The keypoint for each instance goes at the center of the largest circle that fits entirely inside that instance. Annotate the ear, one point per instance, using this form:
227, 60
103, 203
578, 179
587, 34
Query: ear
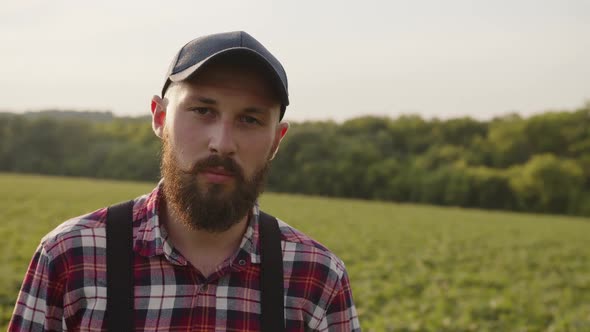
279, 135
158, 115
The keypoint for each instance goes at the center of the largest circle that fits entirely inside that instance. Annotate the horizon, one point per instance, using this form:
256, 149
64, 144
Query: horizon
337, 121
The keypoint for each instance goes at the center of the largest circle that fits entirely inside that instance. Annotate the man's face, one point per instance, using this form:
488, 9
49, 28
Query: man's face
220, 132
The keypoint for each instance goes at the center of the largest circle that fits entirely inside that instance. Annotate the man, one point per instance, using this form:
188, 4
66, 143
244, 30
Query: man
196, 236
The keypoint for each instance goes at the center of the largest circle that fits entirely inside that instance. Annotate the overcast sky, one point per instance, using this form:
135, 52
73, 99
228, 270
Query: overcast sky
343, 58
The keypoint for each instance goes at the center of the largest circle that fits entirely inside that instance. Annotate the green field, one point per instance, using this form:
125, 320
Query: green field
412, 268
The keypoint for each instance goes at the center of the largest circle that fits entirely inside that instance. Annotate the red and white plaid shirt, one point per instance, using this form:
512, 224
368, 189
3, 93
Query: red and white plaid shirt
65, 285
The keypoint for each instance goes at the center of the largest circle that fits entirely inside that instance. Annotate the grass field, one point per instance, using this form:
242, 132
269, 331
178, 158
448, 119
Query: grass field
412, 268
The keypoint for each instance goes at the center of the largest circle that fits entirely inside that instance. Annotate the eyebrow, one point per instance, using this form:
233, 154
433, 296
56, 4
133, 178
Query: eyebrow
256, 110
206, 100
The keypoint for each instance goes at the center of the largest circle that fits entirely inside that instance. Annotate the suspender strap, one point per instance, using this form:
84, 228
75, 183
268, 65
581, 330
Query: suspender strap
119, 314
272, 305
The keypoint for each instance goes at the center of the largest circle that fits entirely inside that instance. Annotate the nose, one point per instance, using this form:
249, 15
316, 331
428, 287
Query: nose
222, 140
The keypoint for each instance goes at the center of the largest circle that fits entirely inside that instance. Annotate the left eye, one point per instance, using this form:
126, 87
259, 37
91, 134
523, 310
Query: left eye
250, 119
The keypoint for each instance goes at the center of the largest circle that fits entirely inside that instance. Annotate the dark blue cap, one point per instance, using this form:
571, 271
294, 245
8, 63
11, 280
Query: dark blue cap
201, 50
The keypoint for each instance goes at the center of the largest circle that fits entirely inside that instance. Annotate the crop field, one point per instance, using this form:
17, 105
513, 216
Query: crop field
412, 267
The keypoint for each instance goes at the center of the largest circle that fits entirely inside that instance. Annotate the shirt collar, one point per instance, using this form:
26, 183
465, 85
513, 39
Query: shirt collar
152, 239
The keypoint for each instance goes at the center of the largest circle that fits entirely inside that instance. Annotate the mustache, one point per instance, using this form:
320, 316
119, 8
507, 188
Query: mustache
227, 163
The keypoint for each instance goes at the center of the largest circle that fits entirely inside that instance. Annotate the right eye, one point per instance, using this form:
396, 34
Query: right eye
201, 110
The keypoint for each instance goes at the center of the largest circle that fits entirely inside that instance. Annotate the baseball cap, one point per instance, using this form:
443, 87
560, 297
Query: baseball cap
200, 51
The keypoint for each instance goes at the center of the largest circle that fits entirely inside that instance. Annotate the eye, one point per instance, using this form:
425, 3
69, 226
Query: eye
250, 120
201, 110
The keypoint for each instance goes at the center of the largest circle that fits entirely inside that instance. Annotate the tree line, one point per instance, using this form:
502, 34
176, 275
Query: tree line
536, 164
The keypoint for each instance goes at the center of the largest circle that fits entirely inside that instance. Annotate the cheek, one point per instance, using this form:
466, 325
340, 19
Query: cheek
188, 145
257, 150
186, 130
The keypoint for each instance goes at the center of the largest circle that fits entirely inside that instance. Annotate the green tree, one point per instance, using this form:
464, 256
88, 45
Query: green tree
547, 184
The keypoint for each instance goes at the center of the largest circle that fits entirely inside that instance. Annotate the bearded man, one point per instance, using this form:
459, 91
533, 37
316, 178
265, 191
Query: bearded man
196, 258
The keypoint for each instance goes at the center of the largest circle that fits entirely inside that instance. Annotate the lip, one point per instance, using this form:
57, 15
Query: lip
217, 175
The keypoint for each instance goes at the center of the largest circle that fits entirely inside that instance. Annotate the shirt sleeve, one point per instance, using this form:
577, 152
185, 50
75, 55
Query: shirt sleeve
39, 303
341, 313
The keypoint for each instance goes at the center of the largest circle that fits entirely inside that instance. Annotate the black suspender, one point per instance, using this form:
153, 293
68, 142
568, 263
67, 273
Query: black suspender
271, 271
119, 315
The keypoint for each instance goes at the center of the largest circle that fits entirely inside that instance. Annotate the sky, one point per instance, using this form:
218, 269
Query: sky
343, 59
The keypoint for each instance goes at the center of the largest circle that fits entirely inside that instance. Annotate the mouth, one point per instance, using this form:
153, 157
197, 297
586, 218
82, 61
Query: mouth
217, 175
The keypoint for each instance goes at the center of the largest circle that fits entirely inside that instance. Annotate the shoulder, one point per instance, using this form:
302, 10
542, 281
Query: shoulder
316, 281
89, 230
301, 248
77, 232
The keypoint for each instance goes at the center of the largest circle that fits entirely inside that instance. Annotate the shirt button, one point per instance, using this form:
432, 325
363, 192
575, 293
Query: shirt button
242, 262
204, 287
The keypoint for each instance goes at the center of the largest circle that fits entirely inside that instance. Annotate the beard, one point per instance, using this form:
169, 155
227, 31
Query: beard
205, 206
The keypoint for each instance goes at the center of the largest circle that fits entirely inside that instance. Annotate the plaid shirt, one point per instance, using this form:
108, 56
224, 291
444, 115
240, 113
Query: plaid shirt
65, 285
